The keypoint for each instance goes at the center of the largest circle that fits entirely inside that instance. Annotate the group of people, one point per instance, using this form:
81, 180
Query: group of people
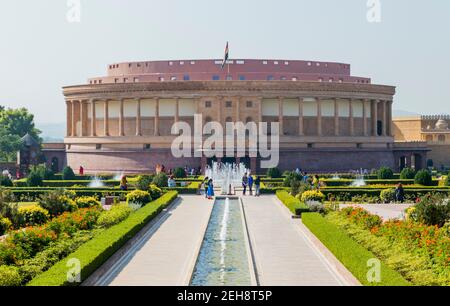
248, 181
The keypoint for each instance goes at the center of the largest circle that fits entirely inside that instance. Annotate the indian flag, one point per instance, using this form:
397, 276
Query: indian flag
225, 58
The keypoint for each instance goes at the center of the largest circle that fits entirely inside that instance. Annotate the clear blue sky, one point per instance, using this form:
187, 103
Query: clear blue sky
40, 51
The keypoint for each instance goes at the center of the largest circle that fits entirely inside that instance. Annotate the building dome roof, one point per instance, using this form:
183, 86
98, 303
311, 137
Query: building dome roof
441, 125
29, 141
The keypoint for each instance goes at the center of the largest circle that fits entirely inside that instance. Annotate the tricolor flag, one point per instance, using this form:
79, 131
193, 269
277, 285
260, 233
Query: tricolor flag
225, 58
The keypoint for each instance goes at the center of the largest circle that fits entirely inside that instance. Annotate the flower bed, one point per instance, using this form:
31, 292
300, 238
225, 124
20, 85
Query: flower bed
95, 252
420, 253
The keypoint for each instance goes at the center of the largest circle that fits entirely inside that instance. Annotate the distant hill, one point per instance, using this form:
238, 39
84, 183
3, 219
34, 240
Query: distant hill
52, 132
403, 113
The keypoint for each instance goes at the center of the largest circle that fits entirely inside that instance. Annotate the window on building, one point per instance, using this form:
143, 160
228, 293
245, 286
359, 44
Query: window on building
136, 80
264, 62
441, 138
173, 78
186, 77
170, 63
100, 81
181, 63
294, 79
309, 63
429, 138
320, 79
229, 78
275, 63
116, 80
359, 145
283, 78
249, 104
331, 80
208, 104
286, 63
240, 62
241, 78
228, 104
192, 62
147, 146
98, 146
216, 78
310, 145
161, 79
125, 80
270, 78
317, 64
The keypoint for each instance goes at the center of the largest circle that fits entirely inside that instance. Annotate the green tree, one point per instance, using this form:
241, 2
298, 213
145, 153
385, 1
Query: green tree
14, 124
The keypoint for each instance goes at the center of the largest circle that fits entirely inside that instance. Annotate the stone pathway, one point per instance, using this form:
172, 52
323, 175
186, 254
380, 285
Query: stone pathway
385, 211
165, 252
284, 254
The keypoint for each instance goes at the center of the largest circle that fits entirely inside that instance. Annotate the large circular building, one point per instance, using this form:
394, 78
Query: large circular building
329, 120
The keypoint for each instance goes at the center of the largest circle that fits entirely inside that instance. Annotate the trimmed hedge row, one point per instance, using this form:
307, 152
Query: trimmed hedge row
348, 182
192, 188
60, 183
292, 203
95, 252
351, 254
36, 193
375, 192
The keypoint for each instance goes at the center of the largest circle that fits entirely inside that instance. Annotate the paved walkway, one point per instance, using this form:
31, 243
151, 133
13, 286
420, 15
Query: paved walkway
385, 211
284, 254
166, 252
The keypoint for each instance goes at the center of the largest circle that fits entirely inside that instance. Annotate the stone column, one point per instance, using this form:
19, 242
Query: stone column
73, 131
83, 117
156, 132
319, 117
384, 125
300, 117
106, 118
121, 119
236, 109
177, 110
364, 117
280, 114
260, 111
352, 119
93, 119
138, 118
336, 118
69, 118
389, 118
374, 118
253, 165
219, 109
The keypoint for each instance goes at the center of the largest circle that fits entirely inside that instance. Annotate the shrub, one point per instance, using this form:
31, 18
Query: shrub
155, 191
160, 180
387, 195
5, 225
95, 252
292, 178
312, 195
5, 181
8, 209
57, 202
292, 203
139, 197
69, 223
117, 214
32, 215
143, 182
431, 210
87, 202
274, 173
407, 174
316, 207
34, 179
444, 181
179, 173
33, 239
68, 174
9, 276
423, 177
385, 173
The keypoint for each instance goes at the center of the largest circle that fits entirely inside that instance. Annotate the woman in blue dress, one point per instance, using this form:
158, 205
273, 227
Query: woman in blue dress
210, 189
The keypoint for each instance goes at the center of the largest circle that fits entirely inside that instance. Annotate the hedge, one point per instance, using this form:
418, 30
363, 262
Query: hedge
292, 203
36, 193
351, 254
60, 183
97, 251
192, 188
348, 182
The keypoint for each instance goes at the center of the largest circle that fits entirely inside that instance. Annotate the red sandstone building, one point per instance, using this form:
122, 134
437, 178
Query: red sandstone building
329, 120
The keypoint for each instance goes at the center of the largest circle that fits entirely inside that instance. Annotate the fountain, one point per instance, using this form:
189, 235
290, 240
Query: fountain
227, 176
359, 180
96, 182
118, 176
224, 257
336, 177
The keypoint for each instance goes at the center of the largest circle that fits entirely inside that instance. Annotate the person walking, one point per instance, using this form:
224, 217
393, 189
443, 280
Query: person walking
81, 170
245, 183
205, 186
123, 183
250, 184
399, 193
257, 186
210, 192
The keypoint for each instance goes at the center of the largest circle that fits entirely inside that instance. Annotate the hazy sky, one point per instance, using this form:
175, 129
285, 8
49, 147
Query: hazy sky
41, 51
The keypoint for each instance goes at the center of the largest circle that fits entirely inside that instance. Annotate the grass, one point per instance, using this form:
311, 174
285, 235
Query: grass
351, 254
97, 251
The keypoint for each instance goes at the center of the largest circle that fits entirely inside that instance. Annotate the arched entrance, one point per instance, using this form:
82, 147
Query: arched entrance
54, 166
